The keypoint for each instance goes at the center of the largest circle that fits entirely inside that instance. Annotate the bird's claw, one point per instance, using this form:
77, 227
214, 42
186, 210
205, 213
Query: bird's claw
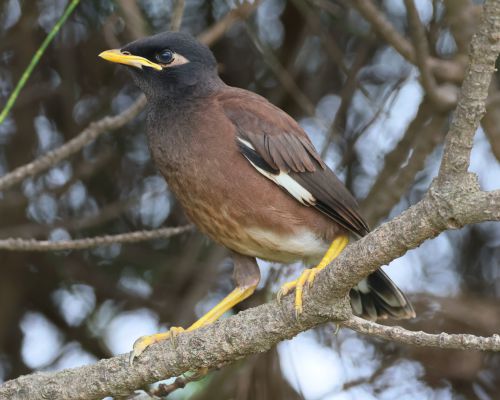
285, 289
306, 278
144, 342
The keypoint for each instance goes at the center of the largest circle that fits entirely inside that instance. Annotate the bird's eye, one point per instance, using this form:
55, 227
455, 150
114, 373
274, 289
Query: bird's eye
165, 56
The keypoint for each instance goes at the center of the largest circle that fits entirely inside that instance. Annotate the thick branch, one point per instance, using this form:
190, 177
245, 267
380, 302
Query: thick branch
471, 107
251, 331
491, 120
441, 209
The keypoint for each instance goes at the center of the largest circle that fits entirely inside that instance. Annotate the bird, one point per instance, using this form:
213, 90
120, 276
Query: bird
248, 176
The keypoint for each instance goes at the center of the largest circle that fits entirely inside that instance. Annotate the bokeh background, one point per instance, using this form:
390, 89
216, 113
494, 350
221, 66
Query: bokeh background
365, 110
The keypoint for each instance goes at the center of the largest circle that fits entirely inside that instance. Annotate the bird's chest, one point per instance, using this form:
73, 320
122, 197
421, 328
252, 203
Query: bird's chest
192, 156
206, 202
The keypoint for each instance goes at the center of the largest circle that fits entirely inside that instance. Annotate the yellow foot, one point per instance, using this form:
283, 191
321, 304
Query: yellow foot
237, 295
307, 277
144, 342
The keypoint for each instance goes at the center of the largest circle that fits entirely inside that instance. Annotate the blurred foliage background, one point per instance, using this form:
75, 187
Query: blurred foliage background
363, 106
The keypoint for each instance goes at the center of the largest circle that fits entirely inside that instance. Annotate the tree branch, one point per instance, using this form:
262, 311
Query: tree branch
92, 132
442, 340
240, 13
249, 332
281, 73
384, 28
491, 120
16, 244
395, 180
471, 105
444, 69
379, 200
178, 12
443, 97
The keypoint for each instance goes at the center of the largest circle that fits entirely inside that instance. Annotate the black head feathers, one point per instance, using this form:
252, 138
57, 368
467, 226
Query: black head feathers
169, 66
180, 43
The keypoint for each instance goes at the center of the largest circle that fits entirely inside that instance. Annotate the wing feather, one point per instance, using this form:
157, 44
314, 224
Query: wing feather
280, 150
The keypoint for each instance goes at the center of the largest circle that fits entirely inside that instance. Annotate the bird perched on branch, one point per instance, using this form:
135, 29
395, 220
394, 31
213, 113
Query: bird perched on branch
247, 175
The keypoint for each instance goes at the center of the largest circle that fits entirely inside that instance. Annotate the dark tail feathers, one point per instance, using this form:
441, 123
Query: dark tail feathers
377, 297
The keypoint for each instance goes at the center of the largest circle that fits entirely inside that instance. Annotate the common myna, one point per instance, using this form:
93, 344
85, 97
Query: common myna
247, 175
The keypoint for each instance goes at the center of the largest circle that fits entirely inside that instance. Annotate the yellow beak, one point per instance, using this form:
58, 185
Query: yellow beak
116, 56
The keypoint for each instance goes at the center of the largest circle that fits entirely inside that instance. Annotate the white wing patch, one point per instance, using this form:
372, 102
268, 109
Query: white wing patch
290, 185
284, 180
246, 143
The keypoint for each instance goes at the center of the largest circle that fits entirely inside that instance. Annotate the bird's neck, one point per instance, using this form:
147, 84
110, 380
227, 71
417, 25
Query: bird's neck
172, 119
181, 94
171, 130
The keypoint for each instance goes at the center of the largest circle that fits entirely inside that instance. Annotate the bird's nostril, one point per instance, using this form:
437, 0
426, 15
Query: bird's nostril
126, 53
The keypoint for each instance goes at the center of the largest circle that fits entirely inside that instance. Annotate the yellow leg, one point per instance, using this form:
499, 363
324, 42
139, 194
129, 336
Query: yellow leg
236, 296
309, 274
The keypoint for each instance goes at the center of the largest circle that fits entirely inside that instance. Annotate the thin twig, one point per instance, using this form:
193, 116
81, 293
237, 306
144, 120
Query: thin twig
385, 29
180, 382
313, 21
333, 51
386, 103
36, 57
282, 74
349, 89
178, 12
94, 130
240, 13
395, 179
16, 244
444, 69
442, 97
372, 205
442, 340
105, 213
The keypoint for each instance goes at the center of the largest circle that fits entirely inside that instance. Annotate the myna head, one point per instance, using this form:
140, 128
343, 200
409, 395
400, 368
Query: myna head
168, 64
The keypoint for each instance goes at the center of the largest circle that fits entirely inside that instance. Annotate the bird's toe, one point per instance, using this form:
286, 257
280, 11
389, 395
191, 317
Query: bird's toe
306, 278
285, 289
144, 342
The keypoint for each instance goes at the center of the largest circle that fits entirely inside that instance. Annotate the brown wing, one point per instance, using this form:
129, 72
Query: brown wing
280, 149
